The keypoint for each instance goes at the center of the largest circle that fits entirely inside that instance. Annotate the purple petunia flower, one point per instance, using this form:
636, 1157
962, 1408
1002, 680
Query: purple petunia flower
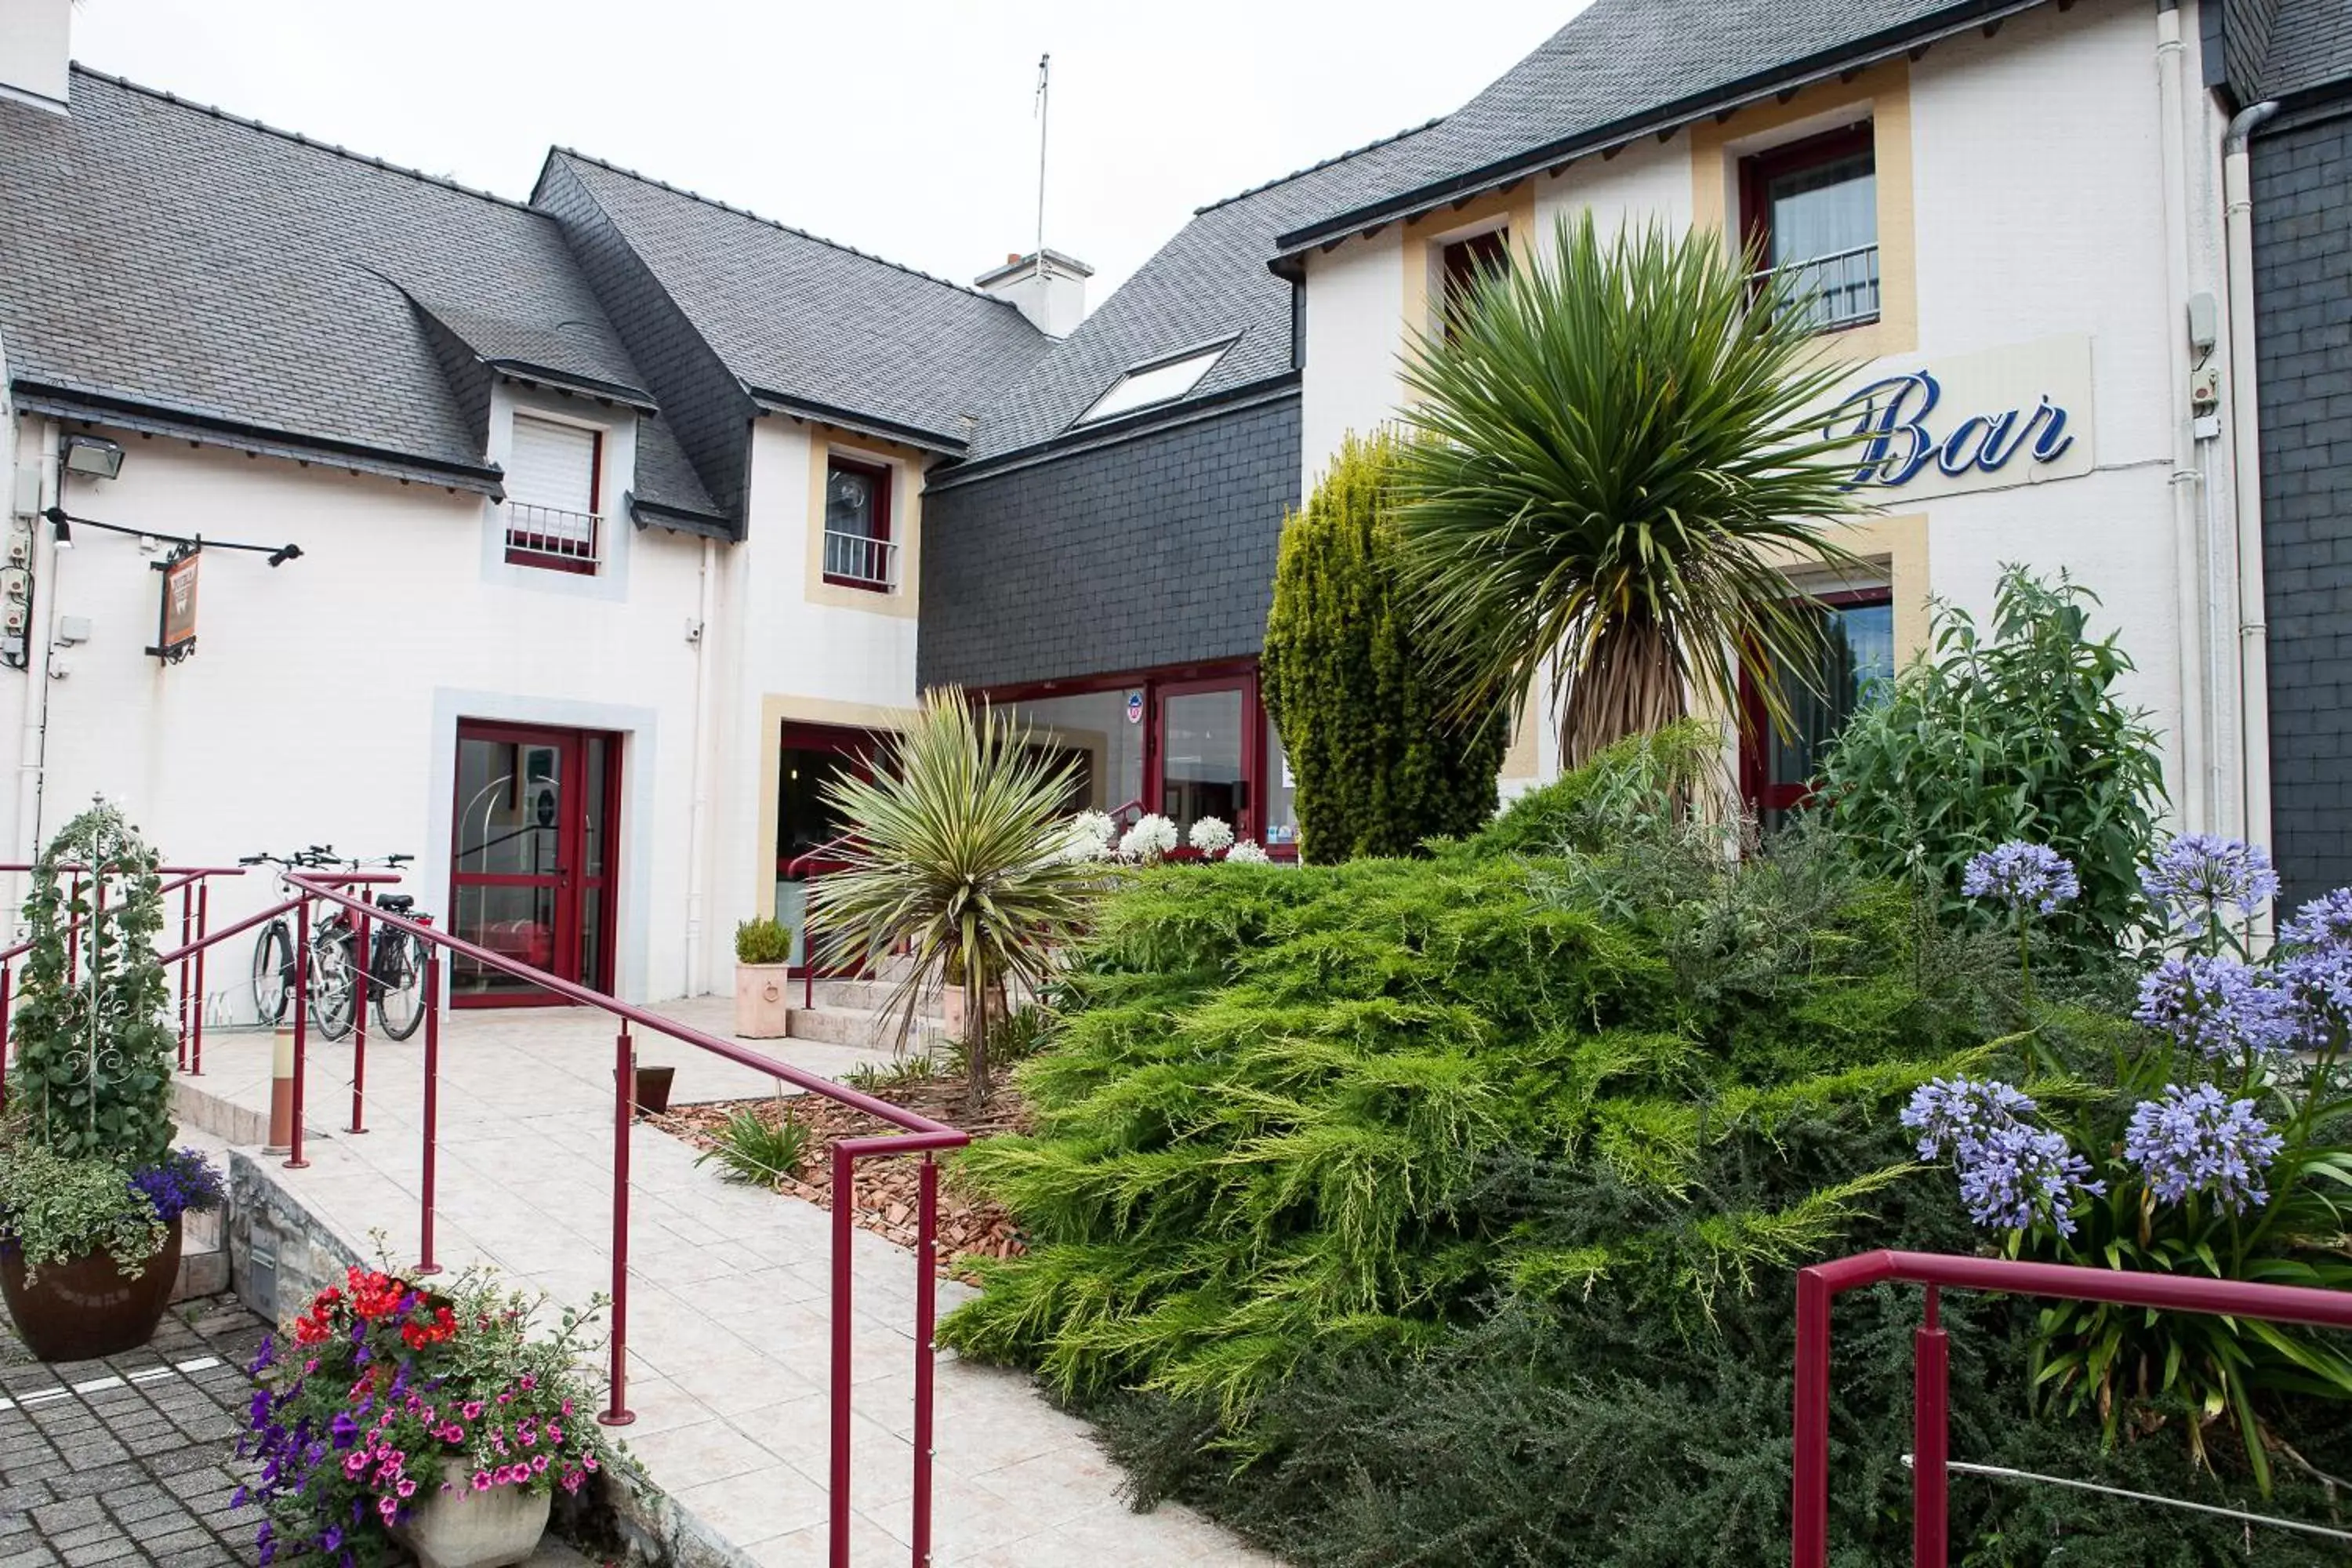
2218, 1006
2324, 922
2193, 1141
2195, 875
2019, 874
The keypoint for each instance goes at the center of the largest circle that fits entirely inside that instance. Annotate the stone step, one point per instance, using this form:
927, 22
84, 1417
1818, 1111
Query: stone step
860, 1026
867, 995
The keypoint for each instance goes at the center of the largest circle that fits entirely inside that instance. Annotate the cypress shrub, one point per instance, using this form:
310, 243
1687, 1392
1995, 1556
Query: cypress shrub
1367, 723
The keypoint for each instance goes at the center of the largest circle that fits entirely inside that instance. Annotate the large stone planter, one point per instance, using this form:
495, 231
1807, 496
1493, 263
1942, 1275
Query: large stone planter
462, 1528
86, 1310
763, 1000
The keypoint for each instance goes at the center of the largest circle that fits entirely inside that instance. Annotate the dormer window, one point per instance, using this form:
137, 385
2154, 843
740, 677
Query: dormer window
858, 549
1810, 215
1154, 382
554, 495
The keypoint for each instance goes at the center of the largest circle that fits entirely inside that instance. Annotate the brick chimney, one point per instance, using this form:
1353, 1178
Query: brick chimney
1048, 288
36, 43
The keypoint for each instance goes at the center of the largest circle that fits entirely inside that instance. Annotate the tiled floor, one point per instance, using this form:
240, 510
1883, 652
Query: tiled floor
728, 1309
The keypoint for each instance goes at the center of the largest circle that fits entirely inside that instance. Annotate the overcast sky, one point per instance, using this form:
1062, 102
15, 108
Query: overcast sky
903, 126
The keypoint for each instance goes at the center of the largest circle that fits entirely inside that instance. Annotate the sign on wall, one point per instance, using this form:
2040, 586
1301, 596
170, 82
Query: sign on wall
1973, 421
175, 632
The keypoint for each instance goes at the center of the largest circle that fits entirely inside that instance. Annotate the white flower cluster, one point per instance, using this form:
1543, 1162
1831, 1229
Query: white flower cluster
1151, 836
1211, 836
1247, 853
1090, 836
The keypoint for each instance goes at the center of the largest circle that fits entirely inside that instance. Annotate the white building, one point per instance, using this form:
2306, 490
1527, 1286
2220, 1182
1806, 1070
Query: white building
611, 506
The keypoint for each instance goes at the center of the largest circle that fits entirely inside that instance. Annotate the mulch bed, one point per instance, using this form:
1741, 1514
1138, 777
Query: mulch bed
969, 1225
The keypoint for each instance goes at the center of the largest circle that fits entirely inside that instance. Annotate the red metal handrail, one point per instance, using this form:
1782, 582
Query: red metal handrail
919, 1135
1819, 1286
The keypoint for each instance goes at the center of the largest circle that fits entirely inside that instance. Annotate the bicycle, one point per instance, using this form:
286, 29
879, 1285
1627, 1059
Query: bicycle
395, 971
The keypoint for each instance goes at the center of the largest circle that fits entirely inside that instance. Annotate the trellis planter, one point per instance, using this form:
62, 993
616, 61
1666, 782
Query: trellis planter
87, 1310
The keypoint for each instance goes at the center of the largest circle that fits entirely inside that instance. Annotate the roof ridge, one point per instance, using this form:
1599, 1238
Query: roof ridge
216, 113
732, 210
1372, 146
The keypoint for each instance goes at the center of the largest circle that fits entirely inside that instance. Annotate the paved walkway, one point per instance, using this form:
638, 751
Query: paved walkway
131, 1460
728, 1315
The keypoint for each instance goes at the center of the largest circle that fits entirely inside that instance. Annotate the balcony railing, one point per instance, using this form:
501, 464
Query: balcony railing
551, 537
856, 560
1829, 292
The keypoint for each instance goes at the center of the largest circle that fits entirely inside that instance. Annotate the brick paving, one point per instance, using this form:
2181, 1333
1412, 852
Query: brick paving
129, 1461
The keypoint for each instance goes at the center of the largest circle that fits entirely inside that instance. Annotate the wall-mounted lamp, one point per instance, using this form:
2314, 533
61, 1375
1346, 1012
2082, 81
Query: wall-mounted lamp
284, 552
93, 455
64, 528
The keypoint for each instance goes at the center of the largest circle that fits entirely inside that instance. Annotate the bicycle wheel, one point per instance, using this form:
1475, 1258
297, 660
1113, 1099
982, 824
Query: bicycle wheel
398, 983
331, 983
273, 972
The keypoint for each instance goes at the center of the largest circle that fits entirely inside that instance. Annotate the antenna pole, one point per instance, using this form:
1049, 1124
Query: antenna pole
1045, 63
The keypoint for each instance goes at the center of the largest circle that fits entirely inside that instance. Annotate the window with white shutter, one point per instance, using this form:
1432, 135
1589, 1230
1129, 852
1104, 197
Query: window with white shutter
554, 478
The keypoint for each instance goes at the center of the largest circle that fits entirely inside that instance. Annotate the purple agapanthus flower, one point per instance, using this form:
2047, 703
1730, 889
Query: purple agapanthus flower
1952, 1113
2196, 874
2325, 922
2194, 1141
2320, 981
2019, 874
2218, 1006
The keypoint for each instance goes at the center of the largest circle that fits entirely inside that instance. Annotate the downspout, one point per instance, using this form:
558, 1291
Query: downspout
40, 643
2187, 572
2246, 481
697, 890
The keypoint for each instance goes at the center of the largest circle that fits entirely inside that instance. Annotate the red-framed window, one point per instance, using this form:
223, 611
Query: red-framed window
1463, 263
1186, 742
555, 495
858, 549
1781, 763
1809, 210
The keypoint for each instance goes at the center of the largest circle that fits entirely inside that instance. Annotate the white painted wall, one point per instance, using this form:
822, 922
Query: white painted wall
1649, 182
1355, 335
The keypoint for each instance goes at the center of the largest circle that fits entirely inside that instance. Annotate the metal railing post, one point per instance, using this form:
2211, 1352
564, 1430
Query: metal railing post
5, 1020
625, 1095
837, 1514
1931, 1440
359, 1028
927, 1289
301, 1004
187, 932
204, 920
425, 1265
1810, 1505
73, 932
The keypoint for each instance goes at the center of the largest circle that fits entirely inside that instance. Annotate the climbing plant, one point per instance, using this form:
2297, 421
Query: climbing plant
92, 1073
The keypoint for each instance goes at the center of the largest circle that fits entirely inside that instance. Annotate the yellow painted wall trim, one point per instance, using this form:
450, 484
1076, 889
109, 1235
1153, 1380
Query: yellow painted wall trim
1884, 91
1426, 236
906, 465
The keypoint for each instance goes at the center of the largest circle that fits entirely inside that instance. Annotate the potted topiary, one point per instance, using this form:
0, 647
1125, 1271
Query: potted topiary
433, 1420
91, 1193
763, 953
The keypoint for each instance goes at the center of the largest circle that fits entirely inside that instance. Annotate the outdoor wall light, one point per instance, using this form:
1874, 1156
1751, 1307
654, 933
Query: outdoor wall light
64, 528
284, 552
94, 456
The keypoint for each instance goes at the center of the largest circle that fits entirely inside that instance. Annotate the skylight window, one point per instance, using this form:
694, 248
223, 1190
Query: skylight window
1154, 383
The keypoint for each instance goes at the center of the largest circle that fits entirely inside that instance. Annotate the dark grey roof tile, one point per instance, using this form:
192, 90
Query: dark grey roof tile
2311, 47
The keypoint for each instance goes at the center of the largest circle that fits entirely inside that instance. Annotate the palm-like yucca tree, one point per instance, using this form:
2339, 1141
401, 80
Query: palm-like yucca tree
956, 849
1626, 447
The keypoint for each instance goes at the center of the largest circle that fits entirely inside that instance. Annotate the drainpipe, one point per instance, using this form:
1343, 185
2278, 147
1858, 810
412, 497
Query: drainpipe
697, 891
40, 642
2186, 480
2246, 487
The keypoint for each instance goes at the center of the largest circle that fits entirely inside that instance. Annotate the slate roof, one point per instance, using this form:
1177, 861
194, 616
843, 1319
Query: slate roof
1207, 284
1621, 67
810, 324
2311, 47
195, 271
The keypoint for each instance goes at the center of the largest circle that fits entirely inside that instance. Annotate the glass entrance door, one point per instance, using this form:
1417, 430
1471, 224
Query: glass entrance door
532, 862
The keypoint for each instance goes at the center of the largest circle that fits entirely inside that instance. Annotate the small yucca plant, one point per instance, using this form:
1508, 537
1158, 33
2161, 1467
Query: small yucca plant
756, 1151
957, 854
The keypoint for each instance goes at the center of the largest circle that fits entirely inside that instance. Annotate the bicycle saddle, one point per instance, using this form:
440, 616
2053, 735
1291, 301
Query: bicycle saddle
396, 904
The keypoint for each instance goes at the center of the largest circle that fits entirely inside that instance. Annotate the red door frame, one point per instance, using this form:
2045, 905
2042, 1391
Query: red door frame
1755, 720
570, 881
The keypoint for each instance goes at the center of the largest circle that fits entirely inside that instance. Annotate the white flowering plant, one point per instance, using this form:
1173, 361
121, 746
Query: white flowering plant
1091, 834
1211, 835
1152, 837
1248, 853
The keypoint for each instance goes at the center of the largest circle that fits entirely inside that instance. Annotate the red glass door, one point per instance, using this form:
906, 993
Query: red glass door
1780, 765
533, 859
1203, 752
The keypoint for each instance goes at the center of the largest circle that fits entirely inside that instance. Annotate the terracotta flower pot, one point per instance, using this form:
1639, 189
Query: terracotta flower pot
763, 1000
462, 1528
86, 1310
